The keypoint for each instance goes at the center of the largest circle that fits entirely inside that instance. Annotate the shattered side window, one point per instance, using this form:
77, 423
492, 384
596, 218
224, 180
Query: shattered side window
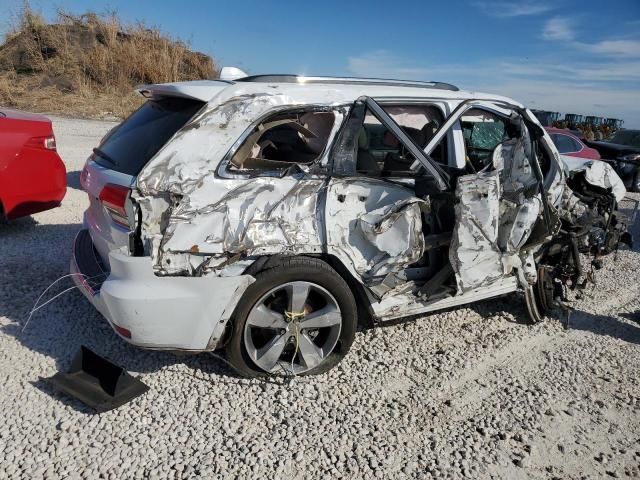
368, 147
483, 131
421, 122
282, 140
380, 152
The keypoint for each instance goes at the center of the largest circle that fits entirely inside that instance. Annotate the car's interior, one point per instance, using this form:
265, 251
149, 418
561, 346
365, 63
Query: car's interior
301, 137
297, 137
380, 153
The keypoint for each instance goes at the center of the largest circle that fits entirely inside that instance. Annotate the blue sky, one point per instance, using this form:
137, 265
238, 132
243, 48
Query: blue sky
564, 55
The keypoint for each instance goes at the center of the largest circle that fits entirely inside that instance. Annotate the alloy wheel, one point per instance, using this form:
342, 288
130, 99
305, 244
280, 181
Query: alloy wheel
293, 328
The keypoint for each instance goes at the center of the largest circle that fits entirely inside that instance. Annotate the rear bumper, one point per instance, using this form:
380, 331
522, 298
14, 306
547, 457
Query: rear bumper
173, 313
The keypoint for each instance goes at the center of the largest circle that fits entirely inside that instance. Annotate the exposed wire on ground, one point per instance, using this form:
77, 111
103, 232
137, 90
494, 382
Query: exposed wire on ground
37, 307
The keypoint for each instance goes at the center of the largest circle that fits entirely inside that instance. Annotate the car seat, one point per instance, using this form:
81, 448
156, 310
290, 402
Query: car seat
394, 162
365, 163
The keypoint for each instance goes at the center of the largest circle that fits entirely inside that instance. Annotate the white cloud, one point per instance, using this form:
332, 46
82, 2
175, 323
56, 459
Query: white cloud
572, 98
606, 89
382, 63
615, 48
600, 78
512, 9
617, 71
558, 28
561, 29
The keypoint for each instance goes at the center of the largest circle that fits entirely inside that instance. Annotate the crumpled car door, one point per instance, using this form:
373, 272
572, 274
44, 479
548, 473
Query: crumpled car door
374, 225
497, 209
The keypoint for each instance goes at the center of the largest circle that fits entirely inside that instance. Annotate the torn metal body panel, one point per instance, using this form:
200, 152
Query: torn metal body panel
475, 254
496, 213
262, 216
591, 225
521, 202
189, 162
406, 304
396, 232
421, 198
597, 173
375, 228
213, 219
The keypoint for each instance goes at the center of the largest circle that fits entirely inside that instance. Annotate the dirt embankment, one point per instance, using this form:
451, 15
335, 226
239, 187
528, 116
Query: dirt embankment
87, 65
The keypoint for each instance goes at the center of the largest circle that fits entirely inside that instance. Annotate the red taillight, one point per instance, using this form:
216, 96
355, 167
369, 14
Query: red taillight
43, 143
113, 198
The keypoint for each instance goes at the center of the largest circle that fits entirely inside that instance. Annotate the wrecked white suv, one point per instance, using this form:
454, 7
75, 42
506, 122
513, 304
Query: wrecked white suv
270, 214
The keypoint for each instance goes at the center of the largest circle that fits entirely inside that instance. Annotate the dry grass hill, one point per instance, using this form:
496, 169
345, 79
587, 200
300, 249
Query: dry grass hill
87, 65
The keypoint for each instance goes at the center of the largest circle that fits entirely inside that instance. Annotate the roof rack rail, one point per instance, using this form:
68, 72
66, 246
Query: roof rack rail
288, 78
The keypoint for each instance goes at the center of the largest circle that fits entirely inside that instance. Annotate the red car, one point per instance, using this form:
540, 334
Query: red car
568, 144
32, 175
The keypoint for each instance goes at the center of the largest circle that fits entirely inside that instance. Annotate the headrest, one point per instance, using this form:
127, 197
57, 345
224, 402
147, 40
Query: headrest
428, 132
424, 135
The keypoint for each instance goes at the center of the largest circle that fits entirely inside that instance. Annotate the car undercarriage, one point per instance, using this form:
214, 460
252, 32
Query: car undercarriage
590, 230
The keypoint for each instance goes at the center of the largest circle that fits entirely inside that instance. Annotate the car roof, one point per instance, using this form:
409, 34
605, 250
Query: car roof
321, 90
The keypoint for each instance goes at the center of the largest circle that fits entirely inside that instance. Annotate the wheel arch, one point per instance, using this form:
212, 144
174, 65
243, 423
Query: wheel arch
366, 316
272, 273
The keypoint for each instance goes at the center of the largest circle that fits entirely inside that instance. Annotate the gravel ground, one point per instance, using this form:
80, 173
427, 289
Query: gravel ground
470, 393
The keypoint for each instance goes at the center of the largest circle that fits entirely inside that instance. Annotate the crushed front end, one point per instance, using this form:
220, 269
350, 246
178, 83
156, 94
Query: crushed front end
592, 227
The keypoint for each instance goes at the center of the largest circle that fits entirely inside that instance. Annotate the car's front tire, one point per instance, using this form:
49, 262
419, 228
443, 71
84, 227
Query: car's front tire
298, 317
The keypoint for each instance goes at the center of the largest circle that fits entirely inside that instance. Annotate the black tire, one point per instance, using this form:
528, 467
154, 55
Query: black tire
290, 270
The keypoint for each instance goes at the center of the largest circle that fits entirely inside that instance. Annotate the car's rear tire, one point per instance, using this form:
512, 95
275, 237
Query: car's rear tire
298, 317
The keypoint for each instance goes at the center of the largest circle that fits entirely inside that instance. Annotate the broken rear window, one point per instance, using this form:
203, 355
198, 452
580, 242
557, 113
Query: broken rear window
283, 140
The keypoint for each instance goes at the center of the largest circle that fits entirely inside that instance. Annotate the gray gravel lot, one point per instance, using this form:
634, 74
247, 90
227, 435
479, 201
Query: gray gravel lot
470, 393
